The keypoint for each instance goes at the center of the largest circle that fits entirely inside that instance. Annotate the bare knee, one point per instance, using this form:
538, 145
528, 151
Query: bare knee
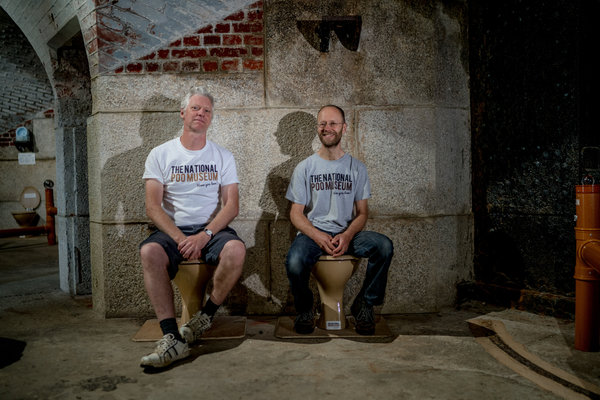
234, 253
152, 255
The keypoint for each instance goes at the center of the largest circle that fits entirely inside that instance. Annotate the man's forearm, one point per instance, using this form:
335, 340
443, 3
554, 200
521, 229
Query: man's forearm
356, 225
165, 224
223, 218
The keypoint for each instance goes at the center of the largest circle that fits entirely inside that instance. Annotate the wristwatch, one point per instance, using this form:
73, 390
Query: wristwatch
208, 232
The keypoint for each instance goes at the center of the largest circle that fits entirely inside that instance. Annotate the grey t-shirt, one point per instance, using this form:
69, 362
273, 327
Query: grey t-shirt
328, 190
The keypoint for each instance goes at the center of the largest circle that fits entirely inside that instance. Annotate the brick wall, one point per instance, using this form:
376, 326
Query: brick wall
25, 86
234, 44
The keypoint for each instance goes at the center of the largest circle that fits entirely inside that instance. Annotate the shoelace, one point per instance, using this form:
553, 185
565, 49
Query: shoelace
165, 343
365, 314
200, 324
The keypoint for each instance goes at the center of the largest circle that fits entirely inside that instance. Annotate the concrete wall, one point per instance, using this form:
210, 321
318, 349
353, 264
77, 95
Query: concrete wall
16, 176
405, 90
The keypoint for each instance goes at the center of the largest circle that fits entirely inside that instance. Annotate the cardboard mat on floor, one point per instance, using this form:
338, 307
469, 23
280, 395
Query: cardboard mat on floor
223, 327
285, 330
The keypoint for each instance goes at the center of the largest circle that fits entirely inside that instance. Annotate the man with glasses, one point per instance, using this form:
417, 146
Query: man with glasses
329, 192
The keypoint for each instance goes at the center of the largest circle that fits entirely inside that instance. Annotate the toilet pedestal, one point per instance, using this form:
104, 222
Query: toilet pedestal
332, 274
191, 280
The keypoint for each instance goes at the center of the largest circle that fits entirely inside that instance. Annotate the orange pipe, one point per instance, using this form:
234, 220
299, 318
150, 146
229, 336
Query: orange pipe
51, 211
590, 253
587, 268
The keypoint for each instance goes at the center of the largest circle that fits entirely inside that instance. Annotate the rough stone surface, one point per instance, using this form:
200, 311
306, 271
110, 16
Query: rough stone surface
409, 56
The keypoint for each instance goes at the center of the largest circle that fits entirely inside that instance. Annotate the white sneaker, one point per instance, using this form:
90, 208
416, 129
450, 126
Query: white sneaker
168, 349
195, 327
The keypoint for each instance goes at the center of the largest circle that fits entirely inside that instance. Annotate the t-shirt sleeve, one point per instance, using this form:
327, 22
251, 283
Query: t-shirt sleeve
364, 185
229, 171
297, 190
152, 168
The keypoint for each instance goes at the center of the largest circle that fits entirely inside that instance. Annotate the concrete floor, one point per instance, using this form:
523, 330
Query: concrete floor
53, 346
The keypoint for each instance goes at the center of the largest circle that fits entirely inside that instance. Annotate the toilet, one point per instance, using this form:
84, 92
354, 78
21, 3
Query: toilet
30, 199
332, 274
191, 280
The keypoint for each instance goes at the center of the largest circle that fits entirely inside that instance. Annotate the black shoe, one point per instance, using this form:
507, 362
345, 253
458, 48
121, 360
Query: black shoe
305, 323
363, 316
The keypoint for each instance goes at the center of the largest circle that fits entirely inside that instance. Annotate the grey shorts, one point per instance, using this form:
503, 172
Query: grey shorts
210, 253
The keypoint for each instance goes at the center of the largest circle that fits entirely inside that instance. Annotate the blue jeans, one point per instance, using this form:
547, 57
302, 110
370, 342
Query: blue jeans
304, 253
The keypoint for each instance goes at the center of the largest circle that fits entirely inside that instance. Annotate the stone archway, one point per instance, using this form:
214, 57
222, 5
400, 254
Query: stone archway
72, 85
64, 71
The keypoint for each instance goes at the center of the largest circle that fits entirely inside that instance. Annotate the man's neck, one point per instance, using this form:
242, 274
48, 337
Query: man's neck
193, 140
331, 153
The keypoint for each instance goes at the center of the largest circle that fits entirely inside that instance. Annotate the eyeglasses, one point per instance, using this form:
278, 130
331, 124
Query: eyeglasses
323, 125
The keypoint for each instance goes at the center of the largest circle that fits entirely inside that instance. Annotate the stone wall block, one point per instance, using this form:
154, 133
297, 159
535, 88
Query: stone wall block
118, 145
164, 92
267, 145
418, 160
117, 276
399, 43
426, 265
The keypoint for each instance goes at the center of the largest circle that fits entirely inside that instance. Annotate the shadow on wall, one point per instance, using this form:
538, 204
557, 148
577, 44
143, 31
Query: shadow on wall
123, 204
295, 134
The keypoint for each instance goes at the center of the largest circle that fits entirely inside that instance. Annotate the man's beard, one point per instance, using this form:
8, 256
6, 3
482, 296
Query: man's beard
337, 138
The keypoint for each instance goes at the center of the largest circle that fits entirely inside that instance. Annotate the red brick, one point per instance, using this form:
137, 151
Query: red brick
239, 16
111, 37
253, 40
257, 51
222, 28
149, 56
210, 66
190, 66
231, 40
49, 113
92, 46
90, 34
134, 67
191, 41
212, 40
172, 66
254, 65
248, 28
176, 43
188, 53
163, 54
152, 67
255, 15
258, 4
206, 29
230, 65
228, 52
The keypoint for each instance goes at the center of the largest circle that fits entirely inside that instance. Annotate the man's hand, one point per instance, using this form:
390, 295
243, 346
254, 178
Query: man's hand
324, 241
341, 243
191, 247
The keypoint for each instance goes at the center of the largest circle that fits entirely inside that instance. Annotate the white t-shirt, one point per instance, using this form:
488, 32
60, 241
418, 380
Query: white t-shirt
328, 189
191, 179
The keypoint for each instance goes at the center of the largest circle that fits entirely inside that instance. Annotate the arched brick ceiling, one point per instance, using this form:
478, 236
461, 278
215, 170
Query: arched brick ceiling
25, 86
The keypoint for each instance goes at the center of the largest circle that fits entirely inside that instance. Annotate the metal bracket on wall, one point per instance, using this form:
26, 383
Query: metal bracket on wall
318, 33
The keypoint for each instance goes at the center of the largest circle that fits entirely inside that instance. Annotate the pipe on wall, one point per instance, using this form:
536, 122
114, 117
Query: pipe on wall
587, 267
